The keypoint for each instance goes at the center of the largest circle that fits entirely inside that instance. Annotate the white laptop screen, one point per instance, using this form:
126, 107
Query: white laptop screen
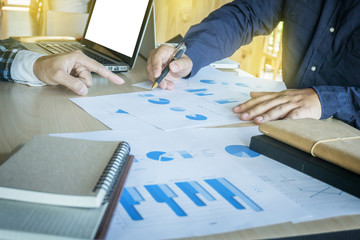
117, 24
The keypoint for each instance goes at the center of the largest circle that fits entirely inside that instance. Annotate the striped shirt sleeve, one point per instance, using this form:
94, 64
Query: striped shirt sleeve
8, 50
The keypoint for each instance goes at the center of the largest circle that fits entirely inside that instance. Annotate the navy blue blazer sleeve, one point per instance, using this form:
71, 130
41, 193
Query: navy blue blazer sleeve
320, 48
223, 32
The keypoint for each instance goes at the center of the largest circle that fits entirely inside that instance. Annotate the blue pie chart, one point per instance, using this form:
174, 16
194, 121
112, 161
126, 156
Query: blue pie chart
241, 151
161, 101
159, 156
197, 117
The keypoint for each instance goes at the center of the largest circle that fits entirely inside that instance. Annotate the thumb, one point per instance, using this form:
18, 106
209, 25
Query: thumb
181, 67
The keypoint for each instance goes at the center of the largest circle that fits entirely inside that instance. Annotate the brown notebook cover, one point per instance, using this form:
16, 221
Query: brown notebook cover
330, 139
62, 171
61, 221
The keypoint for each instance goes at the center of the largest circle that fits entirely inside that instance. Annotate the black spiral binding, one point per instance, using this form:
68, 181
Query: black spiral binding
113, 169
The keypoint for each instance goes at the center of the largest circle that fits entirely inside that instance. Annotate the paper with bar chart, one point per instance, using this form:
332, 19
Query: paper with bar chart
180, 185
204, 100
320, 199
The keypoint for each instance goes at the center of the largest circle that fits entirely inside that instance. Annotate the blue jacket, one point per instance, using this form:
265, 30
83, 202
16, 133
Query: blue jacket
321, 45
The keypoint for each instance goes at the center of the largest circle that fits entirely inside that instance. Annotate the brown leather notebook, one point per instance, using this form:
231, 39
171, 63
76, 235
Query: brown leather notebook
52, 221
331, 139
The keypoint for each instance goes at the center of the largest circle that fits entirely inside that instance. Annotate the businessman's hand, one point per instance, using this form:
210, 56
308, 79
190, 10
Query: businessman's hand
73, 70
157, 61
287, 104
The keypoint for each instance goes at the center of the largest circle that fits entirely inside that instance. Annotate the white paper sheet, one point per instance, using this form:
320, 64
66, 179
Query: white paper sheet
320, 199
166, 110
181, 186
208, 76
204, 100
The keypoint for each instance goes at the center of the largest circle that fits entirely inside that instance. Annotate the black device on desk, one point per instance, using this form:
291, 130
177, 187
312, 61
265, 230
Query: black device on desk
113, 34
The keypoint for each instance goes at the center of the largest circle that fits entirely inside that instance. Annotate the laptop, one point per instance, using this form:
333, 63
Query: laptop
113, 35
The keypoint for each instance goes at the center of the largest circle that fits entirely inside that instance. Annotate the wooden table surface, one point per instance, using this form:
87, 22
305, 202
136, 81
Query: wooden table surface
29, 111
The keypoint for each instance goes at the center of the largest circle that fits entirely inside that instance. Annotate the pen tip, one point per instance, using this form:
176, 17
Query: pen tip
155, 84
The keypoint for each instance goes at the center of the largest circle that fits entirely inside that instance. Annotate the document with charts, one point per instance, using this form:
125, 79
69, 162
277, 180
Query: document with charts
319, 199
204, 100
180, 185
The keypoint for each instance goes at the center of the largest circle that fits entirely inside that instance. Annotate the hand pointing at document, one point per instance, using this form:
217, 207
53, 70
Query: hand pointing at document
73, 70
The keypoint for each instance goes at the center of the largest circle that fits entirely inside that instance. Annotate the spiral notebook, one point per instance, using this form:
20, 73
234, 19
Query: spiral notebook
64, 172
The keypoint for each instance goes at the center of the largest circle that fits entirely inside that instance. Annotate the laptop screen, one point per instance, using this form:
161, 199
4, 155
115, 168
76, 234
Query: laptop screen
116, 27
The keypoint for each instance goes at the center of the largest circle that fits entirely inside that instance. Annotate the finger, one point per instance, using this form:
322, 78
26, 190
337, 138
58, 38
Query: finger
298, 113
253, 102
169, 85
165, 84
259, 94
83, 74
85, 77
170, 77
160, 58
181, 68
278, 112
72, 83
263, 106
98, 68
149, 70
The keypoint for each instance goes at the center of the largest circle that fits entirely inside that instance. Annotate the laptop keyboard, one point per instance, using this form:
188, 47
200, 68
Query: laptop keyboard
56, 48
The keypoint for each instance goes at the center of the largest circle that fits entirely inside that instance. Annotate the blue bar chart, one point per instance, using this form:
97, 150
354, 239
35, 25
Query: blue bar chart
229, 191
191, 189
162, 193
226, 101
185, 154
131, 197
200, 92
206, 81
168, 195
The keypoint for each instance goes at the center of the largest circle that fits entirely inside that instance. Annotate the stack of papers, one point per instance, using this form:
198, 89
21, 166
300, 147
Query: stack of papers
188, 181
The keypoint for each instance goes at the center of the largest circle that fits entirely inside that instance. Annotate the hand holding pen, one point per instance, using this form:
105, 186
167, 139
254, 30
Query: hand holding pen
179, 51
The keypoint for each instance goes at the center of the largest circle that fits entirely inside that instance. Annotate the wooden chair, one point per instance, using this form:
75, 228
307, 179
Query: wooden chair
56, 23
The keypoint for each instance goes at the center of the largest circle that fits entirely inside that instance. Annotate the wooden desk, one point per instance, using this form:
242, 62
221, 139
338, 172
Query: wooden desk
28, 111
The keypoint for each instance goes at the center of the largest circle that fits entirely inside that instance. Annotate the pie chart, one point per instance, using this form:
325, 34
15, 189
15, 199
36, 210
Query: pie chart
197, 117
159, 156
241, 151
161, 101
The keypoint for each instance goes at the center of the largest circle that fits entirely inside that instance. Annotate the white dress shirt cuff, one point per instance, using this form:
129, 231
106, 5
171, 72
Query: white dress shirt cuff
22, 68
